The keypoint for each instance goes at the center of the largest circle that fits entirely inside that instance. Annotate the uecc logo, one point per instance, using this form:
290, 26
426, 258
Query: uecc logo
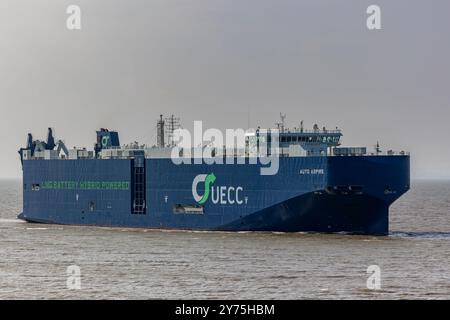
219, 194
208, 179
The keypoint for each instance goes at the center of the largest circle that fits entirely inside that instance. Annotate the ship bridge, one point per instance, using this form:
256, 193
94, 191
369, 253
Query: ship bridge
313, 142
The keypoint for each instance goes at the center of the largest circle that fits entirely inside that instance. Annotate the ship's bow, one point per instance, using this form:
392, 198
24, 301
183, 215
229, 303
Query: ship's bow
361, 189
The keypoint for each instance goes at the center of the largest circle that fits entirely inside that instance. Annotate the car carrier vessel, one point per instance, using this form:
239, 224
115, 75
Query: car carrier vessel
319, 186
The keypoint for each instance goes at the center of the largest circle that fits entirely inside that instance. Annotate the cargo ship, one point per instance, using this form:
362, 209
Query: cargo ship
319, 186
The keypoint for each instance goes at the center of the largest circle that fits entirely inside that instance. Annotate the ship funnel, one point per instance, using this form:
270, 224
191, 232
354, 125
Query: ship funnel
106, 140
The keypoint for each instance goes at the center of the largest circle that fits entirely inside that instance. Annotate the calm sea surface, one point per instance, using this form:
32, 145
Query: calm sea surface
120, 263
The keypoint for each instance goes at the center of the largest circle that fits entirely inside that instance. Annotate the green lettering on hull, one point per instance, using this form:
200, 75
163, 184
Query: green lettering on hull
86, 185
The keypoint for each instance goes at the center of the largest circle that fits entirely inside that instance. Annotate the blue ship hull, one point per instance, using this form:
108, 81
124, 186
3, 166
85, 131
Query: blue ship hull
312, 194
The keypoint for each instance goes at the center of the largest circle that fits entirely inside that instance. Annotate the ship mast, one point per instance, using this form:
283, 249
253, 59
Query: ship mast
160, 132
280, 125
172, 123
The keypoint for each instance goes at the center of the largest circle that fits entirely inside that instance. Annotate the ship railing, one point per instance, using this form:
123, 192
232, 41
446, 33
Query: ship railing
389, 153
381, 153
309, 131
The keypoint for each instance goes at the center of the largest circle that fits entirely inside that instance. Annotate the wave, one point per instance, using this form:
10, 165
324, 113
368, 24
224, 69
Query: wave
421, 234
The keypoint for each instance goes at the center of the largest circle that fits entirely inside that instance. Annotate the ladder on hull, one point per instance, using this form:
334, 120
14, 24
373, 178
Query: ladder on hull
139, 205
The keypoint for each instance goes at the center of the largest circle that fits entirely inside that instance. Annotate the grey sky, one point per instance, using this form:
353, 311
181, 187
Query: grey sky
218, 60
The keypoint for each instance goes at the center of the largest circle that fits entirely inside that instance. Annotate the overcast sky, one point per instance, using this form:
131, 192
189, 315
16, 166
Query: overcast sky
221, 60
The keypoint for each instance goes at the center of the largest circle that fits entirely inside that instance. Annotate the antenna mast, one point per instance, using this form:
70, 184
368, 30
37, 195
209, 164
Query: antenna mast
160, 132
377, 148
172, 123
280, 125
282, 117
